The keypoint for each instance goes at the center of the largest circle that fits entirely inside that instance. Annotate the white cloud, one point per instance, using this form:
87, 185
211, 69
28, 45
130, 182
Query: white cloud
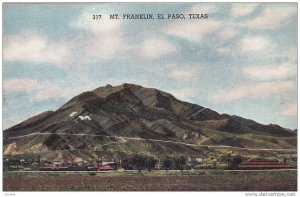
254, 44
256, 47
272, 17
33, 47
50, 93
184, 94
153, 48
224, 51
195, 30
249, 46
191, 30
291, 54
105, 39
242, 9
107, 46
185, 73
227, 33
290, 109
203, 8
24, 85
102, 26
43, 90
259, 90
269, 72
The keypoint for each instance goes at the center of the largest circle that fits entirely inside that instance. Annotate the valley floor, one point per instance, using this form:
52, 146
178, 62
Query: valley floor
202, 180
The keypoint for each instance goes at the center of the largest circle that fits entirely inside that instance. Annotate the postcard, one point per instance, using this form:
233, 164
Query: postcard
150, 97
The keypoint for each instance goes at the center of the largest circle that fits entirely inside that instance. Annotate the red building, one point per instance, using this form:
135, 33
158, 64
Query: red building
106, 166
124, 164
259, 164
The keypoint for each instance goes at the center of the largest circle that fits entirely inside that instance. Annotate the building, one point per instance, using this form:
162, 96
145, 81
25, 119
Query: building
195, 159
111, 165
105, 168
260, 164
124, 164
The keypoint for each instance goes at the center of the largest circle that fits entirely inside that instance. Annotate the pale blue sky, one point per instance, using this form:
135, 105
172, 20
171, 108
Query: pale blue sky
242, 60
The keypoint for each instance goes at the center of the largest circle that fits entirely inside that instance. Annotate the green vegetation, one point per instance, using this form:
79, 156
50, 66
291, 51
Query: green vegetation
180, 163
151, 162
212, 159
232, 160
139, 161
168, 163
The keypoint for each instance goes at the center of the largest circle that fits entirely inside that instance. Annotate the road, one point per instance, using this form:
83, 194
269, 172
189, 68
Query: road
155, 140
196, 113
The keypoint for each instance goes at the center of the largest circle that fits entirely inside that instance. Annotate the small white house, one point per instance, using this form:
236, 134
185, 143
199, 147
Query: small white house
195, 159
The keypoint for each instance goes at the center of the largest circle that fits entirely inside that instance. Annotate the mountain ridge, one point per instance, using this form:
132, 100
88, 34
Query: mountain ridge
133, 111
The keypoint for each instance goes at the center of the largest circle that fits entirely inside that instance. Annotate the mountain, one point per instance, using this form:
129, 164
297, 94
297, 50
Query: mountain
129, 118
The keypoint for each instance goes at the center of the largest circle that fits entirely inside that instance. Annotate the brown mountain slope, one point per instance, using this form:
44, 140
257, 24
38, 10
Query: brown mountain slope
140, 115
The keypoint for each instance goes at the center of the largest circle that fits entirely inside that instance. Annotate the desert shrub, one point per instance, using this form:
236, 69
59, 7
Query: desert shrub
139, 161
168, 163
151, 162
180, 163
